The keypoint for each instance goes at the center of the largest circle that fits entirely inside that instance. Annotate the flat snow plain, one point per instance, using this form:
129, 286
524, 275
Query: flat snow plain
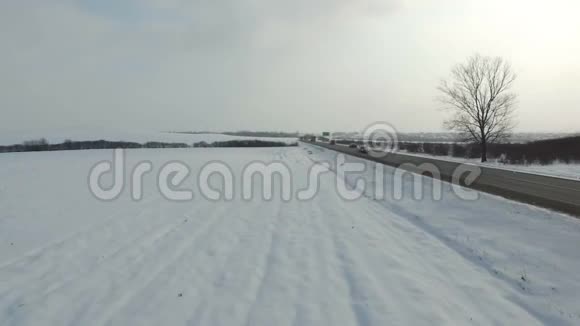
67, 258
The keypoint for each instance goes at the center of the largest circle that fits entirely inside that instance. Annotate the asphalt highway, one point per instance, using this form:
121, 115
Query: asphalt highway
544, 191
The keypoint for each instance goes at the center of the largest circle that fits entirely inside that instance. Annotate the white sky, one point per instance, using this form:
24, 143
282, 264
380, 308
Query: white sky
275, 64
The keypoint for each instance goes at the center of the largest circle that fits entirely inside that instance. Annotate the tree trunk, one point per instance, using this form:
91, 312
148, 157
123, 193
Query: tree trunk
484, 151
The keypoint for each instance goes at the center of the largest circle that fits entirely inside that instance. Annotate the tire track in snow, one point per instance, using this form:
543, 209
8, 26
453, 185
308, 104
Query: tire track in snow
312, 267
359, 291
42, 252
66, 256
264, 265
332, 308
139, 242
222, 289
85, 294
140, 282
215, 293
135, 283
191, 276
279, 300
207, 273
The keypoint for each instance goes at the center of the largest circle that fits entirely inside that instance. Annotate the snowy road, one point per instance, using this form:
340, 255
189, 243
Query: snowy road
562, 194
324, 261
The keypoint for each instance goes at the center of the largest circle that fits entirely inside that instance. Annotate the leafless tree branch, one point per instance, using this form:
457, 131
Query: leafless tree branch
480, 99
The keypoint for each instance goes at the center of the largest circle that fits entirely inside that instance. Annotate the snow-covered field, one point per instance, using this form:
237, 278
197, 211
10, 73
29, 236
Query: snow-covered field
138, 136
67, 258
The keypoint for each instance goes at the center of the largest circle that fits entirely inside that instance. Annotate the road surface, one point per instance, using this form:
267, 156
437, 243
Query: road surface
550, 192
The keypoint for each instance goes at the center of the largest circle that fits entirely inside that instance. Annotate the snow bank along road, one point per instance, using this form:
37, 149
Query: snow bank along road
546, 191
69, 259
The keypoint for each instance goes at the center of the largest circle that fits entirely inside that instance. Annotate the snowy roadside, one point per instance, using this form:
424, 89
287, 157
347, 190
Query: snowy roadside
532, 249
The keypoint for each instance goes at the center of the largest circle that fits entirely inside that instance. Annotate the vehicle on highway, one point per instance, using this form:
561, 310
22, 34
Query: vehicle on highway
332, 142
353, 145
363, 149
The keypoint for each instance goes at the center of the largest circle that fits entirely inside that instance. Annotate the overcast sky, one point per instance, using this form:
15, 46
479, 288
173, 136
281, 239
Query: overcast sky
306, 65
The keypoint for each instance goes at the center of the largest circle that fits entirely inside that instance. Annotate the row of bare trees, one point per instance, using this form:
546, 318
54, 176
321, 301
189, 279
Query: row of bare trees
480, 98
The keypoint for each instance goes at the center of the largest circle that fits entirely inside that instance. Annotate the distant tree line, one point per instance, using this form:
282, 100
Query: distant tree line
41, 145
193, 132
565, 150
274, 134
244, 133
244, 143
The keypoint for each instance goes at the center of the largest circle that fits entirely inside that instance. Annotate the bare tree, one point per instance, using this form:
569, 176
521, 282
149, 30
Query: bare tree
479, 95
